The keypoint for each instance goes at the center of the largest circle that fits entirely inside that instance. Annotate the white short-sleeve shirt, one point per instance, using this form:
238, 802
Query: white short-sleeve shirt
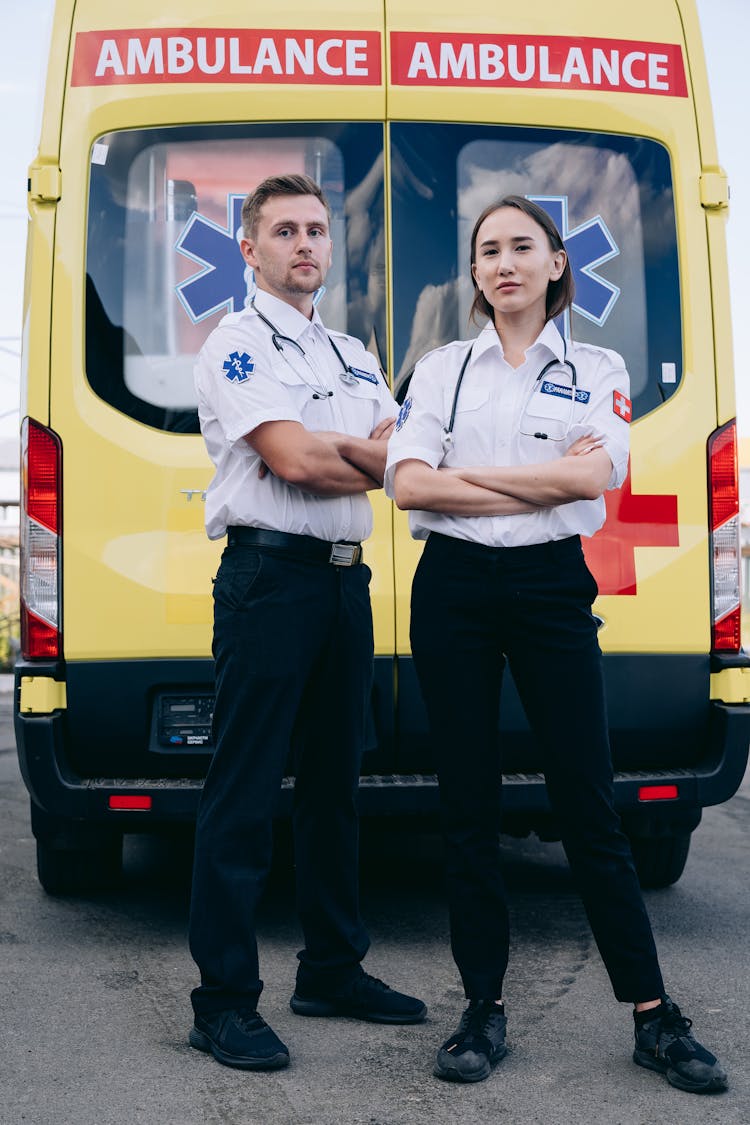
242, 380
501, 416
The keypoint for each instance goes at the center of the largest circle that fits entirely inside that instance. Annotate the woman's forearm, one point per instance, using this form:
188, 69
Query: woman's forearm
553, 482
417, 485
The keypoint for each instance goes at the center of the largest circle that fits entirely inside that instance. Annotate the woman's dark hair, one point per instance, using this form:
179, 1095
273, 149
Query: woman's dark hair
560, 293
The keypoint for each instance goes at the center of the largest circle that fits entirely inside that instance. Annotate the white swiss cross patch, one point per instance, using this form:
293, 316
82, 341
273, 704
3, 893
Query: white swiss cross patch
622, 406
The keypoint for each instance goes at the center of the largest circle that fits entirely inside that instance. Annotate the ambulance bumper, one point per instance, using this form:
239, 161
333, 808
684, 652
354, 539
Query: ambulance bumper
57, 789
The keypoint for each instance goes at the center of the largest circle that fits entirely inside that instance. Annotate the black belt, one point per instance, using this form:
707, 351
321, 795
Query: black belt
303, 546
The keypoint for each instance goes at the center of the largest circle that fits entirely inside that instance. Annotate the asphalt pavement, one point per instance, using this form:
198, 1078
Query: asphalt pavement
94, 993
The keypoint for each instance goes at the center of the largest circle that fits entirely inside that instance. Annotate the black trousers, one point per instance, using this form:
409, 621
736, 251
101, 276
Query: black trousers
293, 648
473, 608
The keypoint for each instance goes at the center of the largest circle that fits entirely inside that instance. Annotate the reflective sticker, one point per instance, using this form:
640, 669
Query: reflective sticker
622, 406
589, 246
368, 375
403, 413
552, 62
238, 366
634, 520
221, 282
548, 388
234, 54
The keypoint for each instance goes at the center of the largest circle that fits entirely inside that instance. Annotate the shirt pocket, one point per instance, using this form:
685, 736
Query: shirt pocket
314, 411
360, 404
472, 426
548, 413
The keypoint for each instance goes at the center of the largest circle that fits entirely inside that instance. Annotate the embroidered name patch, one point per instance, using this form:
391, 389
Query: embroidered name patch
238, 367
622, 406
368, 375
559, 391
403, 413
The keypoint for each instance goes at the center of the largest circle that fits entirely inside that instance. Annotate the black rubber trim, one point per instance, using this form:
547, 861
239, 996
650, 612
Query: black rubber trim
61, 793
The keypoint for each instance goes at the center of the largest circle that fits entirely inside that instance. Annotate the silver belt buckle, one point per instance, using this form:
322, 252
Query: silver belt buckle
345, 554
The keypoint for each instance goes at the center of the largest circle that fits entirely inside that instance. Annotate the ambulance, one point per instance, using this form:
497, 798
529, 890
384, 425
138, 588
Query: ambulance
412, 115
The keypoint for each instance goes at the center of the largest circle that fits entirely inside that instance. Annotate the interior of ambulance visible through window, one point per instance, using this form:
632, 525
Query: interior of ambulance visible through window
611, 198
163, 262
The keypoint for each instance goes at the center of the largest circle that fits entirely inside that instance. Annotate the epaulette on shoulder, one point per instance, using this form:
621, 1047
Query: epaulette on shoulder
578, 347
232, 318
454, 346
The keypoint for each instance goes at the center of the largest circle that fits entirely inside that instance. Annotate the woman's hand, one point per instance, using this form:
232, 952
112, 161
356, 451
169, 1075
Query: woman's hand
583, 445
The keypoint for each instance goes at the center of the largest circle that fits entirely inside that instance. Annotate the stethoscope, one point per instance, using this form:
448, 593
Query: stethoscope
348, 375
447, 437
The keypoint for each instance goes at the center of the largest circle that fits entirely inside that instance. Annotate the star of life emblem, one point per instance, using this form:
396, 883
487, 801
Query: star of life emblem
403, 413
238, 367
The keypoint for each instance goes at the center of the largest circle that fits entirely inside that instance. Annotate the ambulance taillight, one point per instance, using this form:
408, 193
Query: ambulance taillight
724, 522
41, 496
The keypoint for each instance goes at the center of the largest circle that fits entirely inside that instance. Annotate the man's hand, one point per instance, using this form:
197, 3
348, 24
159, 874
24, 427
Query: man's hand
383, 430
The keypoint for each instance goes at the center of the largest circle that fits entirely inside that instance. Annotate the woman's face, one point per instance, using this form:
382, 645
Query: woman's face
515, 263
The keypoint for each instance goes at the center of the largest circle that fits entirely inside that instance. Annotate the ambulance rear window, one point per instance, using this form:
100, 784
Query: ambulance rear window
611, 198
164, 266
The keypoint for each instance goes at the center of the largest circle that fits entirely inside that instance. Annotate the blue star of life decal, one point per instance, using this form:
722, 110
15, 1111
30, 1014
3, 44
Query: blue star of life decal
238, 366
403, 413
589, 246
220, 283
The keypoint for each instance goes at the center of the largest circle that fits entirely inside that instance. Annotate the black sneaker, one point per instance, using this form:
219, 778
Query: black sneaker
665, 1043
239, 1038
475, 1046
363, 997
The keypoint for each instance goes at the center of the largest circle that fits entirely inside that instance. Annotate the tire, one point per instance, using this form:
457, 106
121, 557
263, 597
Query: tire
660, 860
74, 871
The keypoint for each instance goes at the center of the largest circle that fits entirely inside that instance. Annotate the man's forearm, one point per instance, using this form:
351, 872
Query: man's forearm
326, 473
366, 454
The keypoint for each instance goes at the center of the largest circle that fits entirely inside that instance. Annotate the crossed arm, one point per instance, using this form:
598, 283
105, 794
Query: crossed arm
581, 474
324, 463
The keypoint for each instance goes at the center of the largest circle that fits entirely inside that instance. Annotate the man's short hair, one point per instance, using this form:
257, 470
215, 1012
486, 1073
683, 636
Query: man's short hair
291, 184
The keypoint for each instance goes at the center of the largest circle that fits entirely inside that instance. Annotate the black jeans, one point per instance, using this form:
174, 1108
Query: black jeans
293, 648
473, 607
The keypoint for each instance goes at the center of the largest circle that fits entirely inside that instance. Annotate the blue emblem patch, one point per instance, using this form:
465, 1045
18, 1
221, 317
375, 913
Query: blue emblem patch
559, 391
238, 366
403, 413
368, 375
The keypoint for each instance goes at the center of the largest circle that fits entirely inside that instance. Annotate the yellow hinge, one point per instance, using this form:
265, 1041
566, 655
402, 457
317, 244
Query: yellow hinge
714, 188
40, 695
45, 182
732, 685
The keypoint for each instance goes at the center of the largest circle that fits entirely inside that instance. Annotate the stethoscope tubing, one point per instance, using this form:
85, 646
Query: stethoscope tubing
278, 339
448, 430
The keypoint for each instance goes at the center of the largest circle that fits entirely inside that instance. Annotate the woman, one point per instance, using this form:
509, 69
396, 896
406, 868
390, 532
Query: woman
502, 452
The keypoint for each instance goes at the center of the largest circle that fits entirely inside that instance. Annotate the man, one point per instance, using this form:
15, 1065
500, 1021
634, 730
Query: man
296, 421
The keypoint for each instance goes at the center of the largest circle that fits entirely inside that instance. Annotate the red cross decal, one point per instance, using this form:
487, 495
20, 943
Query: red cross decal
645, 520
622, 405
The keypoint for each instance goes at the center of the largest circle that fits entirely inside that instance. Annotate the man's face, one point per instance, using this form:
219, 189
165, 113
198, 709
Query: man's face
291, 249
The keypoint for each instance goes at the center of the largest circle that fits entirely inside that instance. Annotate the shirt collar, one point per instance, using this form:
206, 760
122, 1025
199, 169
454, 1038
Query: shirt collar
548, 338
284, 317
551, 339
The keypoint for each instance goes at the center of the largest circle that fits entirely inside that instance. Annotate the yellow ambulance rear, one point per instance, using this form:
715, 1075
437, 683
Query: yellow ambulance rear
413, 116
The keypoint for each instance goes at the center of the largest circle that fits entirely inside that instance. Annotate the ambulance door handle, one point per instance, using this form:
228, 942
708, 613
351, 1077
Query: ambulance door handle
714, 190
45, 183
